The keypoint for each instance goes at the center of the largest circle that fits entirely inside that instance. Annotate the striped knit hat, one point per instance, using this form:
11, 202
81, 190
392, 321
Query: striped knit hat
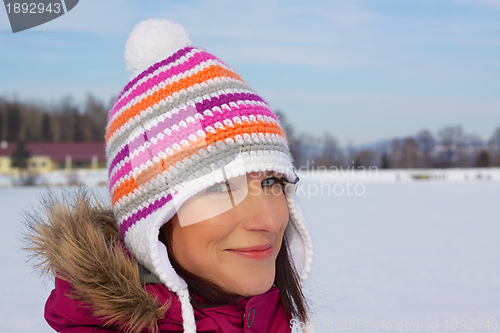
183, 114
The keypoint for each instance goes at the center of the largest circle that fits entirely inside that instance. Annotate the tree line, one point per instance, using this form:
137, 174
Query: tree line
450, 148
66, 121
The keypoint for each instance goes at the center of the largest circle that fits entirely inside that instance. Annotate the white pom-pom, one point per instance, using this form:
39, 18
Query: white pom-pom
153, 40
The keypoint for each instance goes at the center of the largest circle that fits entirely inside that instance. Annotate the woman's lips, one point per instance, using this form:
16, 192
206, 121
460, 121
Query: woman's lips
254, 252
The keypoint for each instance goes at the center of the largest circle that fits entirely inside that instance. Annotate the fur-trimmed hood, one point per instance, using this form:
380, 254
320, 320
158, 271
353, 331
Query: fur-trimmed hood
100, 285
77, 240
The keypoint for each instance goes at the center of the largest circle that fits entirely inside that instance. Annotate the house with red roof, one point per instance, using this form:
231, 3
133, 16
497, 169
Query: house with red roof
49, 156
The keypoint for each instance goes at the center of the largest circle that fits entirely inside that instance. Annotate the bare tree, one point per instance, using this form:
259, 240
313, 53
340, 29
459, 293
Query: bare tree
330, 154
69, 120
472, 146
294, 142
4, 121
482, 159
45, 128
33, 121
494, 147
365, 158
384, 161
495, 139
425, 143
20, 156
14, 121
409, 156
451, 142
396, 160
93, 120
310, 150
55, 126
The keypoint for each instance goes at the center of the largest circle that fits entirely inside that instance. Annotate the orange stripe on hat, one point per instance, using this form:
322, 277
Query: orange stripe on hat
229, 131
211, 72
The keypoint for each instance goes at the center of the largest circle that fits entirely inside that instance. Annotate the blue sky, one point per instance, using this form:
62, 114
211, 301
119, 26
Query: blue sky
362, 70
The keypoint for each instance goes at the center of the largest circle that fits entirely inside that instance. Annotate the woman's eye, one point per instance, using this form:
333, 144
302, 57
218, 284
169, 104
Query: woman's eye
271, 181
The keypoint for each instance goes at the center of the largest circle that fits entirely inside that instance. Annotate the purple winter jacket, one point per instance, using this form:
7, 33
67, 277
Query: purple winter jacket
105, 290
259, 314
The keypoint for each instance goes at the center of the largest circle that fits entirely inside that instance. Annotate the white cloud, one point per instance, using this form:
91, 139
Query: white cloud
328, 34
342, 35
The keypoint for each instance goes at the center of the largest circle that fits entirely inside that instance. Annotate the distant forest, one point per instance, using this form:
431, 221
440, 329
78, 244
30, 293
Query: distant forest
64, 121
451, 147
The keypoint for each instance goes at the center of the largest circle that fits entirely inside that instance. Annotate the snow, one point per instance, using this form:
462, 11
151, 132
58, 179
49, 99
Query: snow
391, 251
405, 253
23, 289
376, 175
91, 178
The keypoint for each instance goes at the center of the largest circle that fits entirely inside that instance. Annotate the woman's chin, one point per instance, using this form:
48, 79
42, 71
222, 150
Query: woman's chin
252, 286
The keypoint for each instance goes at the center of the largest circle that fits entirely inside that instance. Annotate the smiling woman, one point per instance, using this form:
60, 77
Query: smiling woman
237, 249
205, 234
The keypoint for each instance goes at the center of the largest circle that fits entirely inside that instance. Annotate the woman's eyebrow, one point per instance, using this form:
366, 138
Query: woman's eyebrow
273, 173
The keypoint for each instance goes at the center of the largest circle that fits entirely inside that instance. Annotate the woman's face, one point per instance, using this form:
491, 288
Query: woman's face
236, 249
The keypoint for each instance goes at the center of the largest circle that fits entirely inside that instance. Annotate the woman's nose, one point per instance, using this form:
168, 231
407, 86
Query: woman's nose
265, 213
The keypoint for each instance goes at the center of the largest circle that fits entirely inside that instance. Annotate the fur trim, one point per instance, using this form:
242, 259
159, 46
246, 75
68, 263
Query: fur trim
78, 241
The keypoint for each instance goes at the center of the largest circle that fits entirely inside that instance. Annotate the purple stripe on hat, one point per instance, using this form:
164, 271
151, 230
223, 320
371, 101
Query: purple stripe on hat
218, 101
195, 60
181, 133
164, 143
140, 140
168, 122
190, 111
119, 174
120, 156
173, 58
146, 211
175, 119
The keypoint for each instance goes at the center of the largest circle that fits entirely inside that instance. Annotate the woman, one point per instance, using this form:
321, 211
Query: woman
205, 233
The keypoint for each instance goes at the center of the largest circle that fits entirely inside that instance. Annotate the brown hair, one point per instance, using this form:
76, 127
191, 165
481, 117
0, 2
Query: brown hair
286, 279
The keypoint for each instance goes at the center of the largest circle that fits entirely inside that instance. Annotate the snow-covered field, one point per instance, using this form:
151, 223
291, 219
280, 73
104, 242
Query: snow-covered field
62, 177
408, 253
391, 253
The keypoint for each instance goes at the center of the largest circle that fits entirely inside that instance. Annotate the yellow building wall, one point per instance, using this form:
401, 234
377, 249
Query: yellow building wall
40, 164
36, 164
5, 168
